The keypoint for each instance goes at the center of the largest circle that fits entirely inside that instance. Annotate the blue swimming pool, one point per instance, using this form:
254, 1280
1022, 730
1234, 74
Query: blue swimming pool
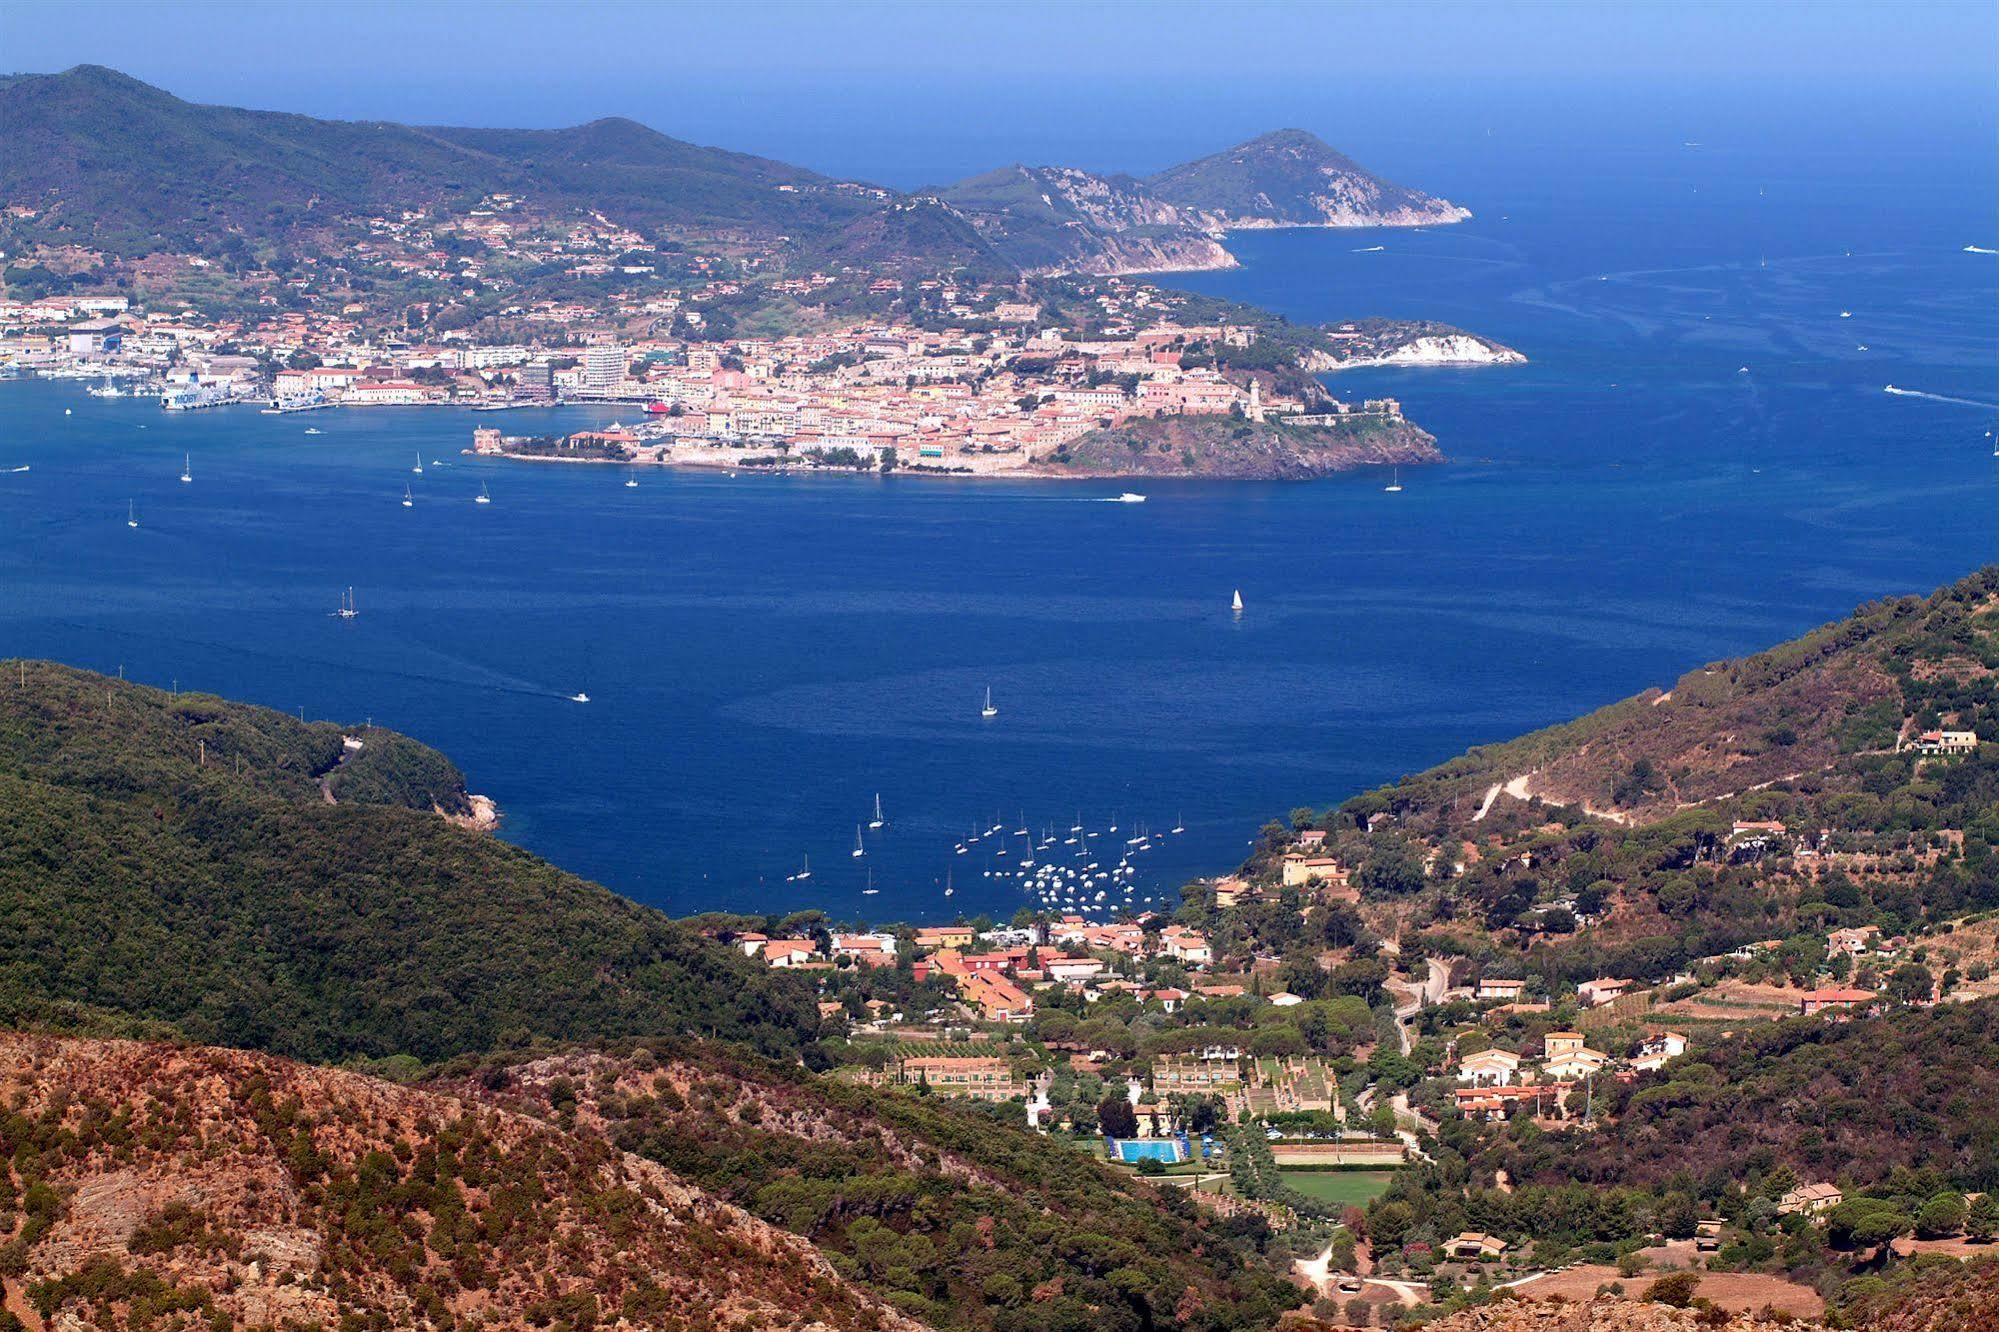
1133, 1150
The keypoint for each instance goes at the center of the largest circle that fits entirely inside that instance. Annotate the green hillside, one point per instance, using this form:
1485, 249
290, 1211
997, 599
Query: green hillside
119, 164
177, 861
1293, 178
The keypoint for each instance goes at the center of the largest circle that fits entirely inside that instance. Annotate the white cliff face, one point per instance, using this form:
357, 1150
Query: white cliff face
1451, 349
1424, 349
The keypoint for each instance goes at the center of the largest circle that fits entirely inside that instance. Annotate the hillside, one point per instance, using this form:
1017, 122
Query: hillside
1062, 220
1605, 1316
219, 869
147, 1180
1218, 446
116, 163
107, 162
1815, 708
1292, 178
954, 1214
1864, 1100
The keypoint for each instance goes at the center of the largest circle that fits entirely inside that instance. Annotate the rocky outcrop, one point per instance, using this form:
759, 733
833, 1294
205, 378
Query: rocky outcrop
1425, 349
1235, 448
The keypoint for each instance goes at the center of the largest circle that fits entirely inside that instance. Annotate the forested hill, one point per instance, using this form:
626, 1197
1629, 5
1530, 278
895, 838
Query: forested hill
216, 870
129, 167
102, 160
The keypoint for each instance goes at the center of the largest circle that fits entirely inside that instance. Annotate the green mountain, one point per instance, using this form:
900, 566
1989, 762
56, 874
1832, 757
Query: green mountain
243, 878
112, 163
1291, 178
117, 163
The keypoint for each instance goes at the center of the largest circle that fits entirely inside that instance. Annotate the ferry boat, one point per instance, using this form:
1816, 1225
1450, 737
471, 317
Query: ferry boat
193, 399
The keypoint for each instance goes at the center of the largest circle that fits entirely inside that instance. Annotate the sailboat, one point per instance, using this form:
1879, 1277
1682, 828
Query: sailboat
631, 483
877, 820
418, 469
131, 514
409, 500
1178, 825
347, 609
579, 697
187, 467
1236, 605
989, 710
948, 889
1394, 485
858, 850
805, 873
484, 496
870, 890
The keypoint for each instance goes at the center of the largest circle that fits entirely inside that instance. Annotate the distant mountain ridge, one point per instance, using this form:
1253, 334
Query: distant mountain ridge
1061, 219
111, 162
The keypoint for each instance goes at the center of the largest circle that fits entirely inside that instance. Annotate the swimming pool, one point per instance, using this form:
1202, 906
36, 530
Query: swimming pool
1131, 1151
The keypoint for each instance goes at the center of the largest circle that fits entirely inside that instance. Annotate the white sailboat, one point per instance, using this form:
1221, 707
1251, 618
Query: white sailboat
1236, 605
484, 496
1178, 825
187, 468
131, 514
859, 850
877, 820
948, 889
870, 890
347, 610
805, 873
409, 500
1394, 485
989, 710
418, 469
631, 483
579, 697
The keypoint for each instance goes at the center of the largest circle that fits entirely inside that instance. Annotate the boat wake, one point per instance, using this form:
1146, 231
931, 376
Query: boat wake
1978, 249
1939, 397
22, 468
1370, 249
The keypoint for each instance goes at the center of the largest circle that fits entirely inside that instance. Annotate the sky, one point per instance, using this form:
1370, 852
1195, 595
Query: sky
908, 93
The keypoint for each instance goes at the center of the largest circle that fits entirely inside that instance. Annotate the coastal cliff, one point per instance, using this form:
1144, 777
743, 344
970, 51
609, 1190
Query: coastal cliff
1235, 448
1414, 348
1054, 220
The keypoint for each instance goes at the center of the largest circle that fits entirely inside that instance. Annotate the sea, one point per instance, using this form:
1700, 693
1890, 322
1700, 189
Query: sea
1703, 456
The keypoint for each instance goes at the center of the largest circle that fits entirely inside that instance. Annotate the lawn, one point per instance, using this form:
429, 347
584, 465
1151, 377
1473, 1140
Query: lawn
1359, 1187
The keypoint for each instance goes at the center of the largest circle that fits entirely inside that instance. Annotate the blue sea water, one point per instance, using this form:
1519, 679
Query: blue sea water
1698, 461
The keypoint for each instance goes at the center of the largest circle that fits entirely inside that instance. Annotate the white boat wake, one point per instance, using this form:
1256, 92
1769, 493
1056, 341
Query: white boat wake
1978, 249
1370, 249
1939, 397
